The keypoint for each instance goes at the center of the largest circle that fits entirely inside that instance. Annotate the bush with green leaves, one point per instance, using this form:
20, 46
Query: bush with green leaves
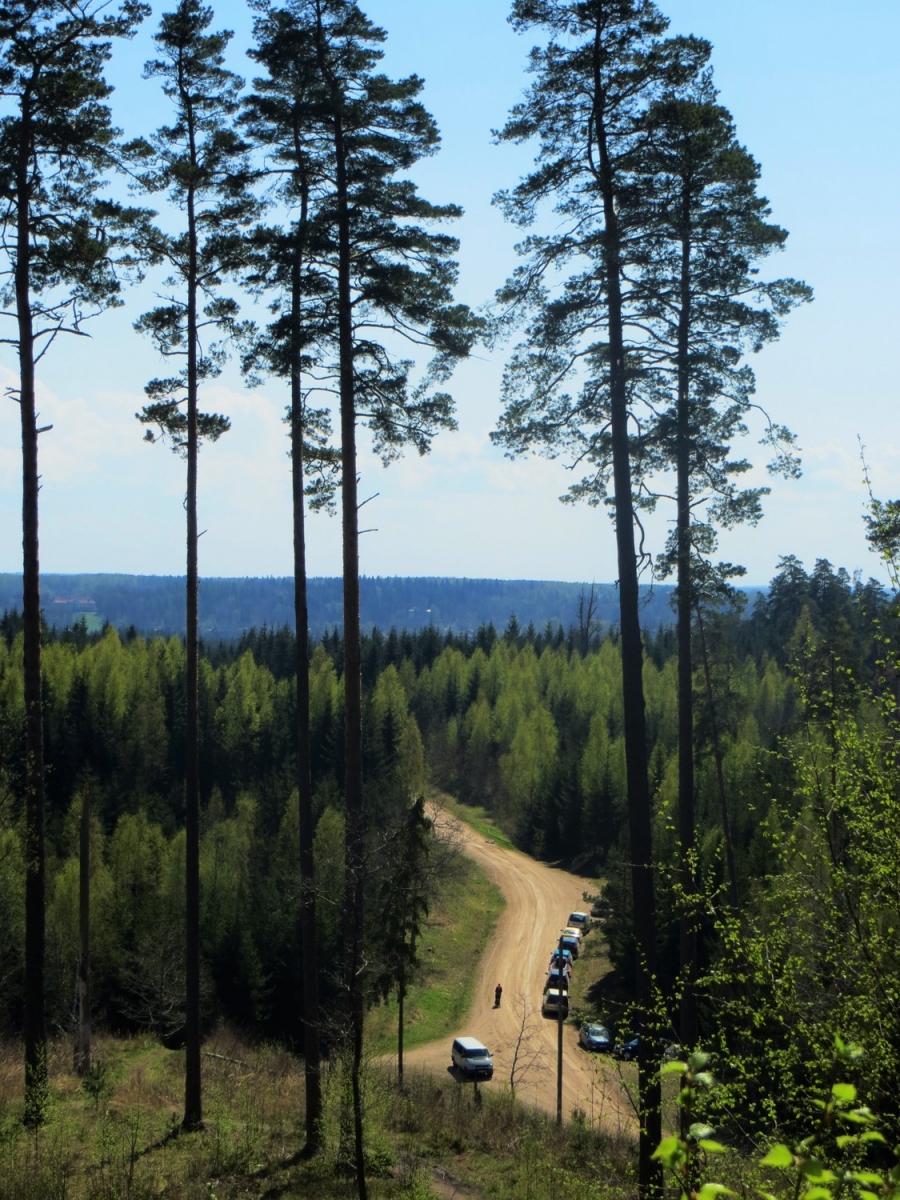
842, 1159
816, 952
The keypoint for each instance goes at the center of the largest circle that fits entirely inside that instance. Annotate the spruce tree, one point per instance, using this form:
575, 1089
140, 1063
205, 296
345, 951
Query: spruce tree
200, 163
402, 907
61, 242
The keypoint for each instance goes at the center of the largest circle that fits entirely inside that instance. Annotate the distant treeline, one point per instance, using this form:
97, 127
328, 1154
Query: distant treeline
231, 607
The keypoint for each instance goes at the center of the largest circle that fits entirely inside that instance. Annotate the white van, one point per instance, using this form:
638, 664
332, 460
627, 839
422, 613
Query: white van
471, 1058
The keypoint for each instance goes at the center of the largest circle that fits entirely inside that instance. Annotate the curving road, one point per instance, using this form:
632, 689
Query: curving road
538, 901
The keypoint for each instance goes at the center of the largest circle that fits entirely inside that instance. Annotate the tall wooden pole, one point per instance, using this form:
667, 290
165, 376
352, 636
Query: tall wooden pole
559, 1038
83, 1047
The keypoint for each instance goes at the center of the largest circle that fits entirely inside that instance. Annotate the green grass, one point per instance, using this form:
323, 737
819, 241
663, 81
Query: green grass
457, 931
475, 816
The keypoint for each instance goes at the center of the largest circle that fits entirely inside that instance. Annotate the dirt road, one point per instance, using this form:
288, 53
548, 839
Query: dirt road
538, 901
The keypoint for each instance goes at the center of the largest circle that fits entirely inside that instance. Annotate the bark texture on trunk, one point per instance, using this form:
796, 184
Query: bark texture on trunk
720, 772
686, 819
193, 1106
401, 997
34, 1023
353, 790
311, 1040
634, 716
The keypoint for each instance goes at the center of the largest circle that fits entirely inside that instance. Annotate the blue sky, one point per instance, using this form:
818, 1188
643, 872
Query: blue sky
814, 91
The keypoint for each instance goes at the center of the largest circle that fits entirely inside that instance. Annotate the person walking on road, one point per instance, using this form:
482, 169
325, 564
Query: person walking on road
498, 992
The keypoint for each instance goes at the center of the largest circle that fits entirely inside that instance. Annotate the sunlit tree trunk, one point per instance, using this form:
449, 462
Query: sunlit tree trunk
635, 724
353, 791
193, 1104
35, 1024
311, 1040
686, 819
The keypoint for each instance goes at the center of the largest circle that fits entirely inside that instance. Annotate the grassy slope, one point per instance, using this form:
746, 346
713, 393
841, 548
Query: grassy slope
125, 1144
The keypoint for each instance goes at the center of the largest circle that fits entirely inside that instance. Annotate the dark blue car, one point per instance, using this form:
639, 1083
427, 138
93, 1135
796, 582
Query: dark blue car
595, 1037
628, 1050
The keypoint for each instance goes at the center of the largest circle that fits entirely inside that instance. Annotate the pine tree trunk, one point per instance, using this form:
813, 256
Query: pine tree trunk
83, 1049
686, 819
35, 1023
193, 1108
720, 773
311, 1042
635, 726
353, 792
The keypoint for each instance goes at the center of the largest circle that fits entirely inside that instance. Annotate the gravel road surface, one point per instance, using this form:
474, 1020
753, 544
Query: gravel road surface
538, 902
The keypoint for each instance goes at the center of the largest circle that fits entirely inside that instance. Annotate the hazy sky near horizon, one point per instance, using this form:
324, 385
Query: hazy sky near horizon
814, 91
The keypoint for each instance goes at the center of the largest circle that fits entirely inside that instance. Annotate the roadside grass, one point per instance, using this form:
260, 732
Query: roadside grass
504, 1149
457, 931
476, 816
588, 986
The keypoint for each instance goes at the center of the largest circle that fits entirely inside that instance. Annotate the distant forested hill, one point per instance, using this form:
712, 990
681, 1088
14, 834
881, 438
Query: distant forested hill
228, 607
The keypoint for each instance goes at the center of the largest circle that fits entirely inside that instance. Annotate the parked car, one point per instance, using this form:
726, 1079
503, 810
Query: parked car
556, 979
572, 931
566, 957
671, 1050
580, 920
566, 963
471, 1058
627, 1050
572, 944
601, 907
553, 1001
595, 1037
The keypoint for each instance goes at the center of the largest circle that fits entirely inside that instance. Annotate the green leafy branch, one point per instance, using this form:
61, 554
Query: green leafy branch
804, 1166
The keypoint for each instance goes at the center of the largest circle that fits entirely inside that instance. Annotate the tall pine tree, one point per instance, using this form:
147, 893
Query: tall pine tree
61, 240
706, 307
200, 163
283, 117
392, 277
603, 64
